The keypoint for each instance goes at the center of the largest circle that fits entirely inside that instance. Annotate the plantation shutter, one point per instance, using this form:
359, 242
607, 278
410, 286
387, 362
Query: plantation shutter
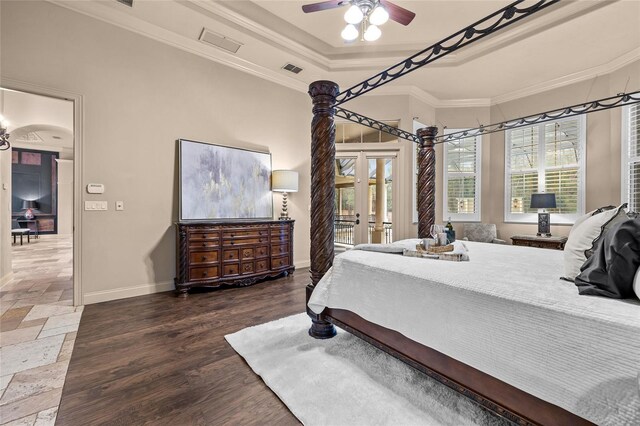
562, 152
462, 166
523, 164
633, 158
545, 157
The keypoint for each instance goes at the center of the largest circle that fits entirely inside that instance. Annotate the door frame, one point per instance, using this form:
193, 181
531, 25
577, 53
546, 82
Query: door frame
78, 137
363, 151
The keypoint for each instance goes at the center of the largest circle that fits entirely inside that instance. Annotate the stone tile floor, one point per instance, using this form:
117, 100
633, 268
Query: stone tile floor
38, 326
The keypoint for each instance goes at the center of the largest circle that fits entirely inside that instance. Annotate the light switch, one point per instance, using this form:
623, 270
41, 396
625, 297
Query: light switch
103, 205
119, 205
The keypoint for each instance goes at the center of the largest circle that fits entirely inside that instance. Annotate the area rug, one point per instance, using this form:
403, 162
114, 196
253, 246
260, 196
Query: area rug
346, 381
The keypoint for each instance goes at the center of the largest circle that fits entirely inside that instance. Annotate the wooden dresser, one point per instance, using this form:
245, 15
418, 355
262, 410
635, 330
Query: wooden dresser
211, 254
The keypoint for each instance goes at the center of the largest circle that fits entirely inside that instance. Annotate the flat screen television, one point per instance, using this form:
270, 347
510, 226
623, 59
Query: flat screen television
221, 182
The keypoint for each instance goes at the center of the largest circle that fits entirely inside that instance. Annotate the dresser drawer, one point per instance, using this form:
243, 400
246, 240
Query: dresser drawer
279, 262
278, 249
279, 232
247, 268
257, 232
231, 254
245, 241
199, 274
204, 235
196, 257
231, 269
262, 265
262, 251
248, 253
203, 244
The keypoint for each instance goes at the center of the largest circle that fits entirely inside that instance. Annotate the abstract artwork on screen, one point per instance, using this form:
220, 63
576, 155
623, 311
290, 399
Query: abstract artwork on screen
219, 182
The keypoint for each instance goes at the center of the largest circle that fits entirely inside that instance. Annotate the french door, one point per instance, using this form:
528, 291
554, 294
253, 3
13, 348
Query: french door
364, 197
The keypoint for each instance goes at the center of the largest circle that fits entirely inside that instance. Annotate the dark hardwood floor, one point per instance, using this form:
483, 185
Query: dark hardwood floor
159, 359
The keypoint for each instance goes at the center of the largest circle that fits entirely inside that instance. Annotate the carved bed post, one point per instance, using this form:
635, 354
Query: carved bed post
426, 180
323, 154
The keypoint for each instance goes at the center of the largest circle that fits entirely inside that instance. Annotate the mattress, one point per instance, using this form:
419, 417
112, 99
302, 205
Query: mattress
505, 312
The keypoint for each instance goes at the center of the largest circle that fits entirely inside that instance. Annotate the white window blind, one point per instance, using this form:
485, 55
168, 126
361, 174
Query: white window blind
631, 156
546, 157
462, 166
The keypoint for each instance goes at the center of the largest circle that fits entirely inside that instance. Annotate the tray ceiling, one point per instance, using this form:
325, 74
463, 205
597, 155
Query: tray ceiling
570, 41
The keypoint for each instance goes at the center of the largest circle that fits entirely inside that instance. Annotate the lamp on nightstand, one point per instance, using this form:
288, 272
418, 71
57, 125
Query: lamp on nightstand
543, 201
284, 181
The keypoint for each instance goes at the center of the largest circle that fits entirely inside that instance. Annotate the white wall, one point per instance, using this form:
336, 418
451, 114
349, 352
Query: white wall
139, 97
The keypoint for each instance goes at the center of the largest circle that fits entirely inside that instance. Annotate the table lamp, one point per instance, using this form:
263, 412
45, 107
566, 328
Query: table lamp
284, 181
28, 206
543, 201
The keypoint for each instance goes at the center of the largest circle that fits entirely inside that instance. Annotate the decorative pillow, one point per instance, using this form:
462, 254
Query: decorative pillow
636, 285
588, 215
584, 238
611, 271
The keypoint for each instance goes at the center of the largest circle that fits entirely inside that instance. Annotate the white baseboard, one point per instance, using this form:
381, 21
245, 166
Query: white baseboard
125, 292
302, 264
4, 280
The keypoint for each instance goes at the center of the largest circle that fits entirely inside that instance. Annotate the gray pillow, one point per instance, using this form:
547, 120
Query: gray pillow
611, 271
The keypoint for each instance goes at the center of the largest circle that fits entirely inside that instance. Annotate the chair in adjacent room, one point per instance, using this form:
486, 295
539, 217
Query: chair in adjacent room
482, 232
17, 230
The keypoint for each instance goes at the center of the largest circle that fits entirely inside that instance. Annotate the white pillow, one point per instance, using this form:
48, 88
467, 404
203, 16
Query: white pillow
636, 284
583, 238
588, 215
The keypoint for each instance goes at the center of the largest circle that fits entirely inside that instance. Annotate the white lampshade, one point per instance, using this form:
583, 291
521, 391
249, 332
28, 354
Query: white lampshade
284, 181
353, 15
349, 33
379, 16
373, 33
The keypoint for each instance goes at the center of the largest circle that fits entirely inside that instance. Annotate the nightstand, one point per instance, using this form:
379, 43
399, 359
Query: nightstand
556, 243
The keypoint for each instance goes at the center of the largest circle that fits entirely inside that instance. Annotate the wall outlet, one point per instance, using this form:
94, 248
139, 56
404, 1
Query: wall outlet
119, 205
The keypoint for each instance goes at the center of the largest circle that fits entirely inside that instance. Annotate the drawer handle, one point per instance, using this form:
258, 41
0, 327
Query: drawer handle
204, 244
204, 258
204, 235
231, 256
232, 243
232, 235
205, 273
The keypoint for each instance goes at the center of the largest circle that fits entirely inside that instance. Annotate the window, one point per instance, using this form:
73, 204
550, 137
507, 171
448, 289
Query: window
462, 165
546, 157
348, 132
631, 156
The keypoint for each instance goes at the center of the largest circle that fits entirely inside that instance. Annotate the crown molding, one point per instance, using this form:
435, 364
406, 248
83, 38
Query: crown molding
354, 60
564, 11
128, 22
614, 65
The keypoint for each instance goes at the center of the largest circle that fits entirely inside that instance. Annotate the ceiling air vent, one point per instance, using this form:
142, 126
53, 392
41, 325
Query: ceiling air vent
294, 69
219, 40
127, 2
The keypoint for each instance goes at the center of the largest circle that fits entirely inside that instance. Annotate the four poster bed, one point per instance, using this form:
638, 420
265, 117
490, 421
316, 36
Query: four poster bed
529, 349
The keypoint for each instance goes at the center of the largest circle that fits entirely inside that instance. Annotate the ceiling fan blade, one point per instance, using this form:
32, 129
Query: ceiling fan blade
323, 5
397, 13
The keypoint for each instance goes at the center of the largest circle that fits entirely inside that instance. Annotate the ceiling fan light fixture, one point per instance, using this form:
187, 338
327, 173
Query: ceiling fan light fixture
379, 16
372, 33
354, 15
349, 33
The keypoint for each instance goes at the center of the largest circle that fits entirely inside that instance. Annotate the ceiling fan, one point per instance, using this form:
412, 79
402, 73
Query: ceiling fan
369, 13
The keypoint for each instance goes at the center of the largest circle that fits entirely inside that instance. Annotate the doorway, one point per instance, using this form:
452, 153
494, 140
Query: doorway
38, 183
364, 201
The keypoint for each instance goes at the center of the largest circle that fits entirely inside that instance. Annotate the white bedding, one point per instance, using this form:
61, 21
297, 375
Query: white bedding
506, 313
